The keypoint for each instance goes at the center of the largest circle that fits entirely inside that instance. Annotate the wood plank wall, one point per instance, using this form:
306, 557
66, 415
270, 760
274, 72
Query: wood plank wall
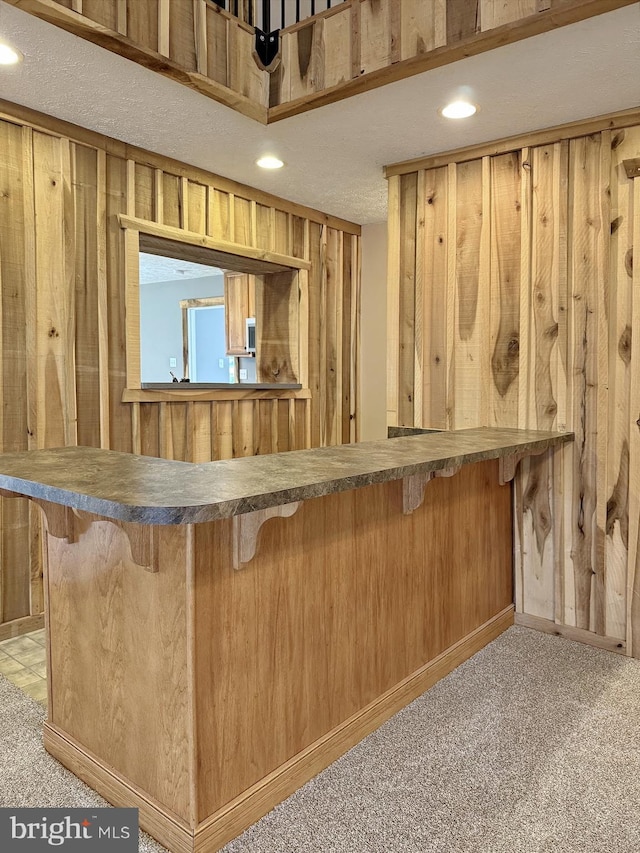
62, 326
360, 44
355, 46
512, 303
192, 41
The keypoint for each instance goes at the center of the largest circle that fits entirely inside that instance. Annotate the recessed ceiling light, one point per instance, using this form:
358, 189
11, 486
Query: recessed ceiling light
9, 55
459, 109
269, 162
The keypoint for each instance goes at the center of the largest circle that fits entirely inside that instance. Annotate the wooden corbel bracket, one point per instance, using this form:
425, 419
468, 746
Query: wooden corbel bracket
508, 464
246, 528
414, 485
63, 522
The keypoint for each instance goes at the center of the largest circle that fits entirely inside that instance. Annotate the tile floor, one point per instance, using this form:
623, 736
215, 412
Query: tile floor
22, 661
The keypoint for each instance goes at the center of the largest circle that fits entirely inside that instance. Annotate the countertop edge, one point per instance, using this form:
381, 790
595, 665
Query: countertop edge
218, 509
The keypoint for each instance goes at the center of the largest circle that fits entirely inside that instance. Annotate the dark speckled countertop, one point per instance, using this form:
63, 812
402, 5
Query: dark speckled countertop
160, 491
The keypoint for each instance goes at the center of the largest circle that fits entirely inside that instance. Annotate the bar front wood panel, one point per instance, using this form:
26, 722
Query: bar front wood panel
209, 680
63, 345
529, 324
344, 600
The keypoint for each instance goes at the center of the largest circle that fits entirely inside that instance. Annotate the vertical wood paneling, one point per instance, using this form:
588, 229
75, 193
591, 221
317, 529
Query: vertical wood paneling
406, 298
434, 326
119, 416
217, 56
625, 143
142, 24
104, 12
86, 295
496, 13
424, 27
55, 315
63, 323
337, 48
375, 35
332, 342
469, 330
315, 284
586, 278
633, 570
15, 581
395, 241
557, 350
505, 289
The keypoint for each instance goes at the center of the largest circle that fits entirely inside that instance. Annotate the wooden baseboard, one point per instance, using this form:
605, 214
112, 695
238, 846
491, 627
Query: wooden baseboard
580, 635
154, 819
21, 626
221, 827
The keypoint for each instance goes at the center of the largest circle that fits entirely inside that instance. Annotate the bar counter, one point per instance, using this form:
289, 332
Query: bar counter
219, 633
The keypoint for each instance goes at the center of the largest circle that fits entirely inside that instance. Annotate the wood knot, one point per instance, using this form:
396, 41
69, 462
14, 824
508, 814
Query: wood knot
430, 200
617, 140
513, 347
551, 331
628, 263
624, 345
616, 223
441, 239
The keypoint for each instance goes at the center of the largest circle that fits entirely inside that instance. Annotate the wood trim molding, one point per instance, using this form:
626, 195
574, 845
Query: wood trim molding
571, 130
157, 821
183, 394
233, 255
579, 635
24, 625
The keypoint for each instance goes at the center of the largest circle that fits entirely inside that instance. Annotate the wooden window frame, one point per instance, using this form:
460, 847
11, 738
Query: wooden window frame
192, 246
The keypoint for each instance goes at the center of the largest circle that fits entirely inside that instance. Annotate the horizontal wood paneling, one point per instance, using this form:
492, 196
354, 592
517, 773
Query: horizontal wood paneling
540, 300
63, 320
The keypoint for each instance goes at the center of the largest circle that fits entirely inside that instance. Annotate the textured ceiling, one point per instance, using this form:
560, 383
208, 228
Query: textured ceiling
334, 155
156, 268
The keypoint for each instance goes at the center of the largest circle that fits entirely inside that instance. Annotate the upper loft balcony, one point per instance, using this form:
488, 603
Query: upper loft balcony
317, 51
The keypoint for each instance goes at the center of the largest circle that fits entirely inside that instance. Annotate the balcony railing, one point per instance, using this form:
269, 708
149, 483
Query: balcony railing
270, 15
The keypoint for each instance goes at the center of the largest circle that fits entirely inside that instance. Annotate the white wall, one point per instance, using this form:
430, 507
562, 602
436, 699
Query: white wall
373, 333
161, 322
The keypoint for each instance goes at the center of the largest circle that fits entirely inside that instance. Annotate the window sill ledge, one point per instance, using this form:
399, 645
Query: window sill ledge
184, 392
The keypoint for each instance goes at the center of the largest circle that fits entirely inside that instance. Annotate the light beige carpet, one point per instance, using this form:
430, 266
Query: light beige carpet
532, 745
